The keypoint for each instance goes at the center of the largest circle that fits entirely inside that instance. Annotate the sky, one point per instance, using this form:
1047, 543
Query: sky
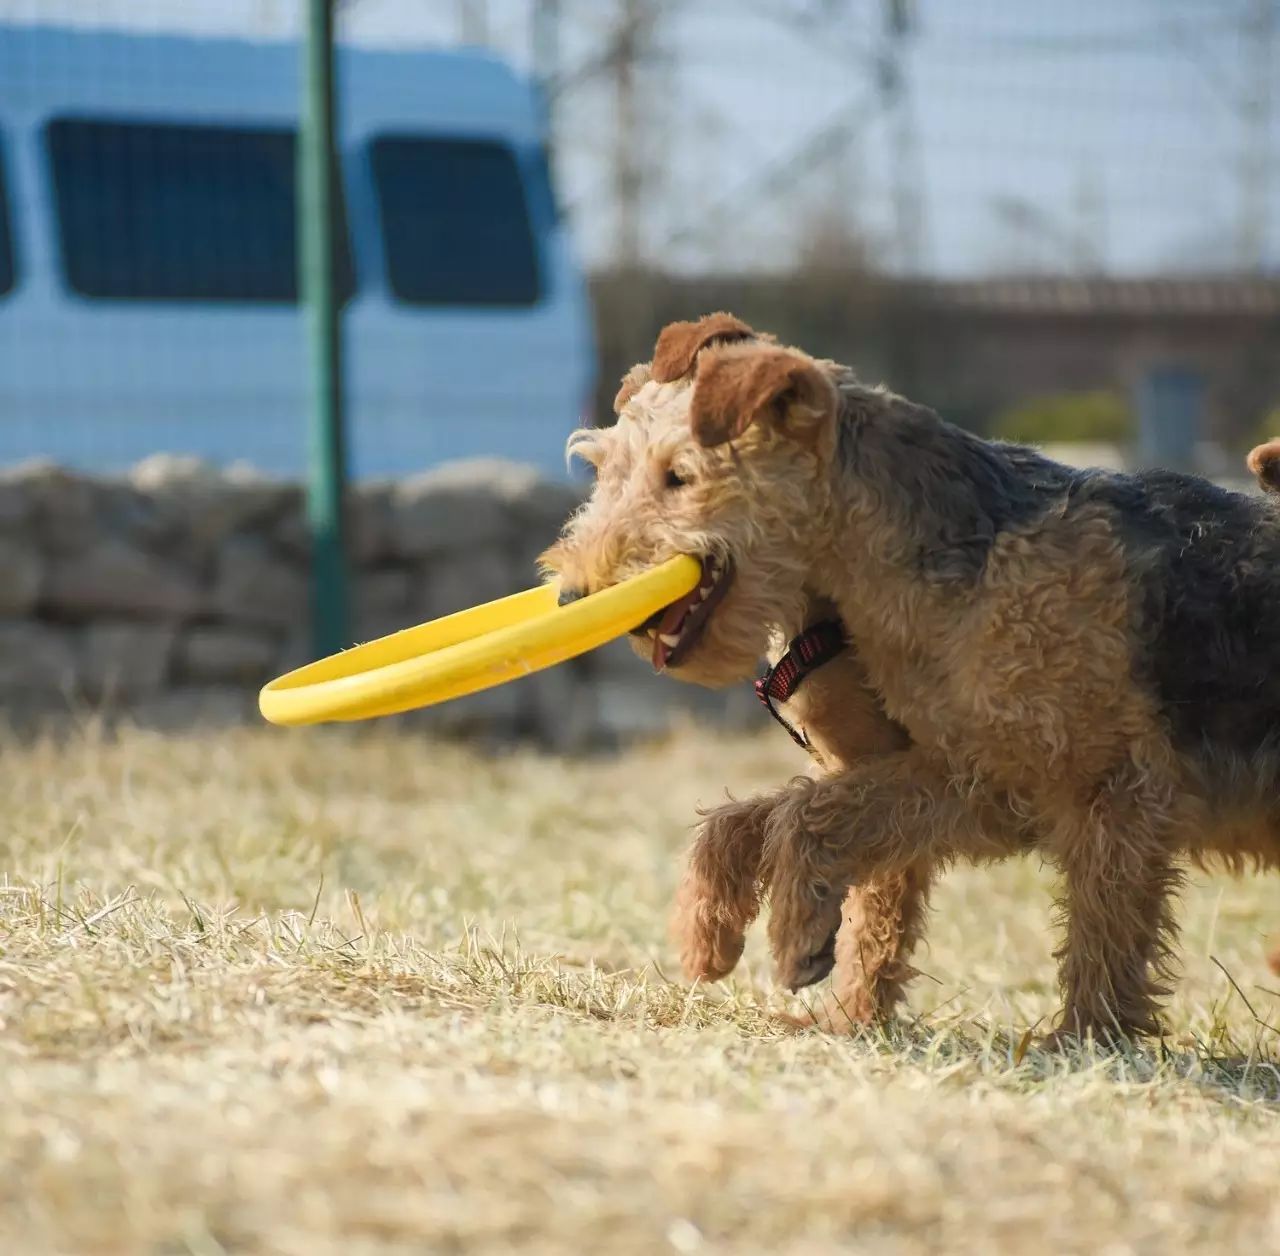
1100, 135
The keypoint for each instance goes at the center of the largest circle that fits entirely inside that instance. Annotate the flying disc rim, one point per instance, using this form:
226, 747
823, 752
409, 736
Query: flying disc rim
471, 650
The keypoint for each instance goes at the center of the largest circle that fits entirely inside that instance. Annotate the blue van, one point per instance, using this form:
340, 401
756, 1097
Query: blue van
148, 291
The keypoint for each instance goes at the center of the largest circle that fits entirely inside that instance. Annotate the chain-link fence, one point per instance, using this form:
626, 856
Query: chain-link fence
986, 205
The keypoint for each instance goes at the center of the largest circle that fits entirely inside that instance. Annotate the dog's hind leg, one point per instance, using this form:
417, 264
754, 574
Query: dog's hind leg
883, 920
719, 895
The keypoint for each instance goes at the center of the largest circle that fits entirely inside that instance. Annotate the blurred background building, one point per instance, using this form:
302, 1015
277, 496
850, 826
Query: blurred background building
1058, 223
1037, 217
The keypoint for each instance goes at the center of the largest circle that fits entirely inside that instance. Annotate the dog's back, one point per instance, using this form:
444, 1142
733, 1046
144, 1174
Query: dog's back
1207, 562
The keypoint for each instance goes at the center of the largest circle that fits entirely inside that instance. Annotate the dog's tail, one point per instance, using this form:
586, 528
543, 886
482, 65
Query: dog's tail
1264, 462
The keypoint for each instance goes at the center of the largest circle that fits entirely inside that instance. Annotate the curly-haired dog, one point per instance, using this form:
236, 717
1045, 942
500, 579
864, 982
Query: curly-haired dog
839, 719
1079, 662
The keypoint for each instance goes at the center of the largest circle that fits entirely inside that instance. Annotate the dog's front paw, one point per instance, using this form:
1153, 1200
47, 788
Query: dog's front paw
804, 905
710, 951
719, 894
708, 938
801, 971
802, 934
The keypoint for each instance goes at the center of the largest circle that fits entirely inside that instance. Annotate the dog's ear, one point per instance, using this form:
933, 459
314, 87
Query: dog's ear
680, 343
1264, 462
632, 382
739, 386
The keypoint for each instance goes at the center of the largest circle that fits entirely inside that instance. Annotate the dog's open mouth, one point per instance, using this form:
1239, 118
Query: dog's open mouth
676, 629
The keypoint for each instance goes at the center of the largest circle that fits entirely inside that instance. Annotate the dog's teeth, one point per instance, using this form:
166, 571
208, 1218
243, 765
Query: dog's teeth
669, 639
703, 593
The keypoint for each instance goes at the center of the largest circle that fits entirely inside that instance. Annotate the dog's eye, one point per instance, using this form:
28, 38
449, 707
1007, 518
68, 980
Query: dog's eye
674, 479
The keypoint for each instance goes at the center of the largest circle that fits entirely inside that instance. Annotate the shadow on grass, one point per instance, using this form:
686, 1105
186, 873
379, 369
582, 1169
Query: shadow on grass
1243, 1065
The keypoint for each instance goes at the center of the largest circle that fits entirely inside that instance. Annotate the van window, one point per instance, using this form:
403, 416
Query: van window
455, 222
151, 212
6, 236
542, 192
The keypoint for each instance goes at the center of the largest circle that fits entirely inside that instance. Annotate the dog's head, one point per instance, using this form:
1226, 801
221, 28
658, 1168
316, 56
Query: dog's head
722, 450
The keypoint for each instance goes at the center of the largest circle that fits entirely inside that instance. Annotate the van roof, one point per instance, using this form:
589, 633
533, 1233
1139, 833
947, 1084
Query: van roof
68, 69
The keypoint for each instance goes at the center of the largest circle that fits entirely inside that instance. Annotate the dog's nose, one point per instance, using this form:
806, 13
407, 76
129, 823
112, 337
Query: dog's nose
568, 594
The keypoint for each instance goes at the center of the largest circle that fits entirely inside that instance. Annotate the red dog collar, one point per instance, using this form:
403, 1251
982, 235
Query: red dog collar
816, 645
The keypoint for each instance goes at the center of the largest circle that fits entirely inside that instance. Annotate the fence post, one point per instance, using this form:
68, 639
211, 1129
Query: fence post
318, 184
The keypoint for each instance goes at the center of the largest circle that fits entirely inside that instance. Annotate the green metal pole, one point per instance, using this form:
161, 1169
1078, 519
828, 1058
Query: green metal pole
317, 188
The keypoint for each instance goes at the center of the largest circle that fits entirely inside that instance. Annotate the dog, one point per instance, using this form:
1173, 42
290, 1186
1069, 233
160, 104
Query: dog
1071, 662
839, 720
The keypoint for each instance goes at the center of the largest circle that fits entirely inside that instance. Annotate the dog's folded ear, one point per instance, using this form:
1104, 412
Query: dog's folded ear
745, 384
1264, 462
680, 343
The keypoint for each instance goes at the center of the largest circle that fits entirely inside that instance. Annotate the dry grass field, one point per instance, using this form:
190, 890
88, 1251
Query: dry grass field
287, 992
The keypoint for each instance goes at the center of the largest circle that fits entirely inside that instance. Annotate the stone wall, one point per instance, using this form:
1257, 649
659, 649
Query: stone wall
175, 591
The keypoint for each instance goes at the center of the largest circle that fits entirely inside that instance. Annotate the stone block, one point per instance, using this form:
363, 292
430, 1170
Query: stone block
454, 582
15, 504
224, 653
162, 472
382, 602
21, 572
124, 512
654, 705
627, 709
125, 660
115, 578
37, 659
459, 506
254, 584
369, 527
183, 707
617, 660
497, 712
562, 708
369, 523
62, 507
548, 503
197, 506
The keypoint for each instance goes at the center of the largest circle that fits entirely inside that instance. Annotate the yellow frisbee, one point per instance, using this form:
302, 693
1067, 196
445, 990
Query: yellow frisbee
472, 650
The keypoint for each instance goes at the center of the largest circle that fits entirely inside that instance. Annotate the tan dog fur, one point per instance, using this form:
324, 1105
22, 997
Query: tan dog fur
994, 701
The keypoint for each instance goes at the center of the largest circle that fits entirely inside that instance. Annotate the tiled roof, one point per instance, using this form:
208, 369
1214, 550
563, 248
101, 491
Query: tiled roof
1251, 296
